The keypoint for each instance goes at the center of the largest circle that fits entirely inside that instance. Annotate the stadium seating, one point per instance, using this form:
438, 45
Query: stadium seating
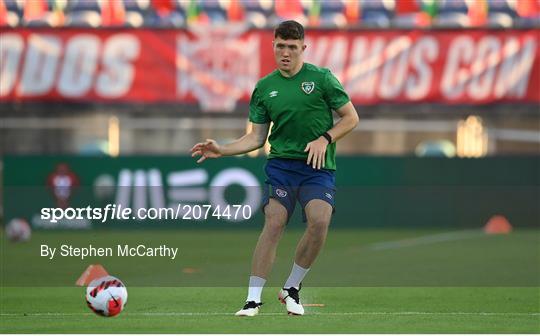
166, 13
10, 12
501, 13
136, 10
529, 13
215, 10
407, 14
34, 13
377, 13
289, 10
257, 12
502, 6
267, 13
332, 13
452, 14
83, 13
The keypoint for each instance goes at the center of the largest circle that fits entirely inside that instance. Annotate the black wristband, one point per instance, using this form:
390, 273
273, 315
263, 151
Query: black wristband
328, 137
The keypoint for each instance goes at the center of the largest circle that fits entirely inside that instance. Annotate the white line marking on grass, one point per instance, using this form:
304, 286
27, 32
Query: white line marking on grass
429, 313
279, 314
429, 239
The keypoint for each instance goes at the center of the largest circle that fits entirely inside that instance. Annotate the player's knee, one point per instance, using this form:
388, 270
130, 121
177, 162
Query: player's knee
274, 228
275, 221
275, 216
318, 224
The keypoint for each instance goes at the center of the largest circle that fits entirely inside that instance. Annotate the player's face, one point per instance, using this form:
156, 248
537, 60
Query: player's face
288, 54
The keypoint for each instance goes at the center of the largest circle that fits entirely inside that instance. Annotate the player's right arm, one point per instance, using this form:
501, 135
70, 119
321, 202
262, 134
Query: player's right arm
250, 141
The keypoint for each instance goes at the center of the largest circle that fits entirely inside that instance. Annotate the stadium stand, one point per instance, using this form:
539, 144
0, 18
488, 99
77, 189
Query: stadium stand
135, 11
452, 13
528, 13
215, 10
290, 10
501, 13
84, 13
266, 13
408, 14
332, 14
257, 12
377, 13
165, 13
10, 13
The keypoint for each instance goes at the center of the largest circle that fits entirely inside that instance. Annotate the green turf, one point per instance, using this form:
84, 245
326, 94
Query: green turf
346, 310
472, 284
221, 258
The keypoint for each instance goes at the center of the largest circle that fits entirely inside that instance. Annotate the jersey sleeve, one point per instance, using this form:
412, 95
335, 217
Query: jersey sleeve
257, 111
335, 94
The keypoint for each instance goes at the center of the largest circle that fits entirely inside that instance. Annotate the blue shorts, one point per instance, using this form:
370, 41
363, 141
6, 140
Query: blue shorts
291, 180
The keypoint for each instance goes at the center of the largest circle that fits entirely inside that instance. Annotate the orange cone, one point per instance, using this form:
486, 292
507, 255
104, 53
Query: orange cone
92, 272
498, 225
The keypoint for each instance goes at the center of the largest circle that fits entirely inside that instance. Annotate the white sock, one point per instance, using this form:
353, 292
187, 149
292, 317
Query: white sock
295, 278
256, 285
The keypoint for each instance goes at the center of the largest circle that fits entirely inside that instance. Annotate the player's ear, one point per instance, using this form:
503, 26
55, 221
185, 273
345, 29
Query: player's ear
304, 47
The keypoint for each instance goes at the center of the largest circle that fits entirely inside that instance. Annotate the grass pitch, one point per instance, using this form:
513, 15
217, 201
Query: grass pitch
346, 310
370, 281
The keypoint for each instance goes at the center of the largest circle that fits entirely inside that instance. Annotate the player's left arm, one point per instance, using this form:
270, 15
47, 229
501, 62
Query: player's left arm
347, 122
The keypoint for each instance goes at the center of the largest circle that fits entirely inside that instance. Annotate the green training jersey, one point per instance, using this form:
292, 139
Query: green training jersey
300, 108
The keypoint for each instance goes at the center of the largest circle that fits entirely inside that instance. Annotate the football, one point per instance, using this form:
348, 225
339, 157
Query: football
18, 230
106, 296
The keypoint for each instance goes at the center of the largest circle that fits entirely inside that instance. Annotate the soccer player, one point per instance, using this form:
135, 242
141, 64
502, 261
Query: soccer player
299, 99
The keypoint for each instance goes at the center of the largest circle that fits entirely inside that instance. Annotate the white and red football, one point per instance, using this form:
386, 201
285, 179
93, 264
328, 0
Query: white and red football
106, 296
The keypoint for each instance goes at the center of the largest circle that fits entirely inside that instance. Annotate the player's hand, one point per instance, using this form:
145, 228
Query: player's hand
207, 149
317, 152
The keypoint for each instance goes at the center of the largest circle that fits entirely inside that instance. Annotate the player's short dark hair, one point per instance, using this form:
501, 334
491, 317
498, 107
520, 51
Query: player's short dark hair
289, 30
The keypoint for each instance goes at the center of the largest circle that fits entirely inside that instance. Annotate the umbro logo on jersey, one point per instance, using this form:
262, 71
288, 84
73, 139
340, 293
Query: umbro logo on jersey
273, 94
308, 87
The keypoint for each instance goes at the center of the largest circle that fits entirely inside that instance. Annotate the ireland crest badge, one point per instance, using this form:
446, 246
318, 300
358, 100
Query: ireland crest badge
308, 87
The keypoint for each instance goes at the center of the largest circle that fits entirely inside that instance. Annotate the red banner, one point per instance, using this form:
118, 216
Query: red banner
218, 68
